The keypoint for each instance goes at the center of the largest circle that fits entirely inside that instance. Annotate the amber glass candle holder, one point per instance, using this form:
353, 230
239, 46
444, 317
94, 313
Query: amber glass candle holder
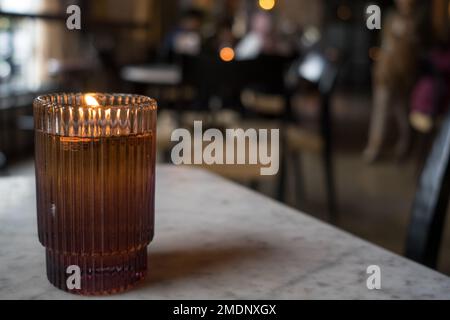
95, 182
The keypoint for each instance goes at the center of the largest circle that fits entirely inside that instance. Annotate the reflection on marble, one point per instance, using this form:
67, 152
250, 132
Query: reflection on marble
217, 240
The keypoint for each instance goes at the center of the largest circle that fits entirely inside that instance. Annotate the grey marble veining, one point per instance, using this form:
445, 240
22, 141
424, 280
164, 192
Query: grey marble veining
217, 240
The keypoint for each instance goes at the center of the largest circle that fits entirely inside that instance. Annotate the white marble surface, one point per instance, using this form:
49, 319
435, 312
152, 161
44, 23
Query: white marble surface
217, 240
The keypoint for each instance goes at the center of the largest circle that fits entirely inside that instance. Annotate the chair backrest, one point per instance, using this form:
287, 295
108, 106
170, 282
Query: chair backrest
430, 203
224, 79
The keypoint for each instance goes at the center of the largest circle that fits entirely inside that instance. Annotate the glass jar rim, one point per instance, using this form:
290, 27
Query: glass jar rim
63, 100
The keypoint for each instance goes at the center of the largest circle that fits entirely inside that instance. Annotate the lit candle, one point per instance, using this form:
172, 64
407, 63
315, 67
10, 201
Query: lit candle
95, 175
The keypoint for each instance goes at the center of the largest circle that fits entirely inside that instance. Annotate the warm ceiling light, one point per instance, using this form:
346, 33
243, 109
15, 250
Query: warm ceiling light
90, 100
226, 54
267, 4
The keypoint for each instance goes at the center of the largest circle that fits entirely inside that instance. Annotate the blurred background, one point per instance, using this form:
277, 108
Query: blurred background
362, 113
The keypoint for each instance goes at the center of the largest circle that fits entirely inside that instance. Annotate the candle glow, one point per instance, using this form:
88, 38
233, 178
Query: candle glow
90, 100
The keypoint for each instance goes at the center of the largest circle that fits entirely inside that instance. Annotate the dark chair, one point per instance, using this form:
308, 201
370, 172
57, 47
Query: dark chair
431, 201
225, 81
322, 74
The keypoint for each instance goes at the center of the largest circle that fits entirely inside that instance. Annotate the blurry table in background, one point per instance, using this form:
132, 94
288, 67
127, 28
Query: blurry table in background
164, 82
157, 74
217, 240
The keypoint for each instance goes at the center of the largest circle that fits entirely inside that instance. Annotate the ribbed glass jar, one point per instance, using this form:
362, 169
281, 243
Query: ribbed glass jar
95, 182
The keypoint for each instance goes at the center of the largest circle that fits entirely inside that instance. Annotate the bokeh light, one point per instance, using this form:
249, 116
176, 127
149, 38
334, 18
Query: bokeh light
267, 4
226, 54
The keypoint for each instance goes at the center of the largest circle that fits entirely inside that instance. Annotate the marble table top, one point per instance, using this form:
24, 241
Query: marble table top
217, 240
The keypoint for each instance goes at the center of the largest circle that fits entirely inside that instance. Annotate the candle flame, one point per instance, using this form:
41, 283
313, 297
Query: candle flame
90, 100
